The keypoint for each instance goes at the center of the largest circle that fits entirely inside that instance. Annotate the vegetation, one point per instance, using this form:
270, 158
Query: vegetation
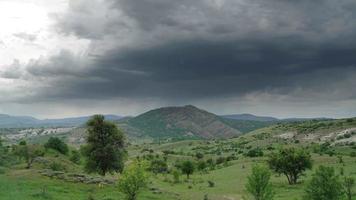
57, 144
218, 168
29, 153
291, 162
187, 168
258, 183
349, 183
105, 147
324, 185
133, 180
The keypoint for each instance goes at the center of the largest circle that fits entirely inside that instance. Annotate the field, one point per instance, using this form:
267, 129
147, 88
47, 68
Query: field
227, 180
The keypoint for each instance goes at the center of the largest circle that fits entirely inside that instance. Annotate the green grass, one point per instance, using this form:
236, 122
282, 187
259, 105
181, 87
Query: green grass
229, 184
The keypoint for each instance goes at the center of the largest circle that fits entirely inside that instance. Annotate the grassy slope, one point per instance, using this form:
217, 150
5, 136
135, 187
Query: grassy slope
229, 181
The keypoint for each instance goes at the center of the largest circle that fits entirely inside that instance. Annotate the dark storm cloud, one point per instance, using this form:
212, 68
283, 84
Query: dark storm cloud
185, 50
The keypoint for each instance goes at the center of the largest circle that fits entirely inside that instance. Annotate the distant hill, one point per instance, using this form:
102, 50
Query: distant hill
8, 121
250, 117
335, 132
182, 122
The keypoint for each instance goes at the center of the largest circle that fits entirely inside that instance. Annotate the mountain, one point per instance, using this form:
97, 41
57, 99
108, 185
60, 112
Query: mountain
8, 121
182, 122
75, 121
250, 117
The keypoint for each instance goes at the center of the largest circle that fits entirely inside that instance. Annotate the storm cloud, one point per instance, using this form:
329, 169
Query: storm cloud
246, 55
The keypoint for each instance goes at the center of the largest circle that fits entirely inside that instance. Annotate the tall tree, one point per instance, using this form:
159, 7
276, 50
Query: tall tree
325, 185
291, 162
258, 184
105, 150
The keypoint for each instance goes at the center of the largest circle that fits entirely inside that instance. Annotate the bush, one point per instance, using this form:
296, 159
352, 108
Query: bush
56, 166
57, 144
324, 185
176, 176
257, 152
220, 160
133, 179
199, 155
158, 166
258, 184
211, 184
75, 157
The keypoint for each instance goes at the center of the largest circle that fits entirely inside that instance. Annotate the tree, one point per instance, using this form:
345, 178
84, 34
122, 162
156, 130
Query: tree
324, 185
29, 153
57, 144
187, 168
133, 180
291, 162
259, 185
105, 147
349, 183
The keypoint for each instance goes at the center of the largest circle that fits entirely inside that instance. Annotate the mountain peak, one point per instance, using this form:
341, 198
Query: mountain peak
184, 121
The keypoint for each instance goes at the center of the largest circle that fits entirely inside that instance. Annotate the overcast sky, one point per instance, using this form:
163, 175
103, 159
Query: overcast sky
281, 58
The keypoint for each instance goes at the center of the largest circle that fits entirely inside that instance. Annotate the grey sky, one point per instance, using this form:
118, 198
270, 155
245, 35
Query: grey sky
281, 58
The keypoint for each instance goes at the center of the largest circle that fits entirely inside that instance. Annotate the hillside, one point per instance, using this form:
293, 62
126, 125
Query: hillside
250, 117
8, 121
338, 132
182, 122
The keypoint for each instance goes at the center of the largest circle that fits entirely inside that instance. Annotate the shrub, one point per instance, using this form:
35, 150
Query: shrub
158, 166
199, 155
211, 184
258, 184
201, 165
75, 157
324, 185
133, 179
56, 166
220, 160
57, 144
349, 183
176, 176
256, 152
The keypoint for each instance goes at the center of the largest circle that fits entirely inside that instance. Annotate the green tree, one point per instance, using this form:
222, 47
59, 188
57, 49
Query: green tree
258, 184
29, 153
133, 179
324, 185
56, 144
291, 162
105, 150
349, 183
187, 168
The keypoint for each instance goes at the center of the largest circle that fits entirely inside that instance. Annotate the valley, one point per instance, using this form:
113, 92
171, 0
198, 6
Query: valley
222, 154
